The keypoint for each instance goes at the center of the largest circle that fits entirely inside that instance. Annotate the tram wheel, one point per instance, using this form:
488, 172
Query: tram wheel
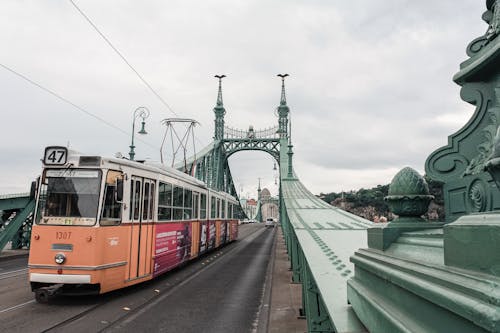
42, 296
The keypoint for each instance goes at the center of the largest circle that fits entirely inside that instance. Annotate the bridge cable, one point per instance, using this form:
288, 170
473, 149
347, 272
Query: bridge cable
72, 104
123, 58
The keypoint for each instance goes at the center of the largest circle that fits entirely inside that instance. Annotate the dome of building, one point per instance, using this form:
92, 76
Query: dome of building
265, 194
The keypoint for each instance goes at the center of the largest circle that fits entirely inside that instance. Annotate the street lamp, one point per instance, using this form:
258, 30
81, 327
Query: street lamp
143, 113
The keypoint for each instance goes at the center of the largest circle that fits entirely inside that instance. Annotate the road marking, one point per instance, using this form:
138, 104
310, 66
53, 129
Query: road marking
11, 274
17, 306
18, 270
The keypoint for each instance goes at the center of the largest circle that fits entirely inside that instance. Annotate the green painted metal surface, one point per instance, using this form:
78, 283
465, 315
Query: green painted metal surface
461, 164
18, 229
14, 201
418, 276
15, 222
319, 238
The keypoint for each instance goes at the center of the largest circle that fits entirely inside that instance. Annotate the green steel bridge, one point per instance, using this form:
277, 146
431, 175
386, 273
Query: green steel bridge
409, 275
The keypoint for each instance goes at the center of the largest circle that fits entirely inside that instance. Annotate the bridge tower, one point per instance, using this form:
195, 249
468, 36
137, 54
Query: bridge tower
283, 110
220, 112
219, 174
211, 165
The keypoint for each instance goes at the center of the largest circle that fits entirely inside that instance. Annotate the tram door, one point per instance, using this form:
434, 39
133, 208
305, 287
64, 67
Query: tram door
141, 228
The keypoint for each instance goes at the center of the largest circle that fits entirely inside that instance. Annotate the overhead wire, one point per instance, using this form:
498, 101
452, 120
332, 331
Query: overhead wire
53, 93
123, 57
141, 77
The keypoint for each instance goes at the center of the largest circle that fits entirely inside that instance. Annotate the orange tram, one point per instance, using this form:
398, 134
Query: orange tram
106, 223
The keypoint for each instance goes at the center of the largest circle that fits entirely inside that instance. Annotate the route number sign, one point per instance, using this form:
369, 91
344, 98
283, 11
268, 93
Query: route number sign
55, 156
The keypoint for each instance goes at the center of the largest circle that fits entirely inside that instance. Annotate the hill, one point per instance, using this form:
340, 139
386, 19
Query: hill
370, 204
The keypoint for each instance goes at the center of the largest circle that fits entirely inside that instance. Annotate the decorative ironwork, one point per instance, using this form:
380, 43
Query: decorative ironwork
271, 146
233, 133
492, 17
478, 196
408, 195
219, 112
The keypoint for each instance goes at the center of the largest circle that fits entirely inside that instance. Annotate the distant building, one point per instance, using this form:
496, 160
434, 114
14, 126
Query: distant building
269, 205
249, 206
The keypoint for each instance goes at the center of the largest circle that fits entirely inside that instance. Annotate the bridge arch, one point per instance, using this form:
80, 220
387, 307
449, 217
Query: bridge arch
274, 152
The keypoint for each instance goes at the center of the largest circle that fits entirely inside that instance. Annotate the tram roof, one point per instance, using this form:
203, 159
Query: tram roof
156, 167
75, 157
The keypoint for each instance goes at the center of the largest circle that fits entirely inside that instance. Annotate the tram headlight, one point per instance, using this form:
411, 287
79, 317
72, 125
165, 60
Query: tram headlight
60, 258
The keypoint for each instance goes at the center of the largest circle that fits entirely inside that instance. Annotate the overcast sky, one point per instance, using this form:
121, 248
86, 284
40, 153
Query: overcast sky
370, 87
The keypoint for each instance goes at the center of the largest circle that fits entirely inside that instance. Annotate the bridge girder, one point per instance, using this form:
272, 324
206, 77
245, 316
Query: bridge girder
270, 146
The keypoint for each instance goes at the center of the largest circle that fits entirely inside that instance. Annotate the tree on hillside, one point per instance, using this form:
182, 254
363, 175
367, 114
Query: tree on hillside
370, 203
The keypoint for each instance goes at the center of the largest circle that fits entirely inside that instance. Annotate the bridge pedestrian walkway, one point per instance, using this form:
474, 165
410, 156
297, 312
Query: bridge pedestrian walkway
286, 296
320, 239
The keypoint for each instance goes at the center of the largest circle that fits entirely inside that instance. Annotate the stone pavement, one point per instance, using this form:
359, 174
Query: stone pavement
286, 297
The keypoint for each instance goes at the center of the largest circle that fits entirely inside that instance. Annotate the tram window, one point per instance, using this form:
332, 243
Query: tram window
42, 200
165, 202
223, 209
151, 201
131, 202
212, 207
72, 193
111, 208
137, 196
229, 210
188, 204
219, 210
203, 206
145, 200
196, 198
178, 204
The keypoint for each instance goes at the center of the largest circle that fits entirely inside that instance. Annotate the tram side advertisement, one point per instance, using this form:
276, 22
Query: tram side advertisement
234, 229
172, 245
211, 235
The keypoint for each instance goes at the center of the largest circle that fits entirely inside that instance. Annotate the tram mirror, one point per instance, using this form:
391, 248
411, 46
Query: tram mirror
119, 190
33, 188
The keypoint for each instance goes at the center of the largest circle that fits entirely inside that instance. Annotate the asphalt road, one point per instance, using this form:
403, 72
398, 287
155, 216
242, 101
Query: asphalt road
222, 291
224, 297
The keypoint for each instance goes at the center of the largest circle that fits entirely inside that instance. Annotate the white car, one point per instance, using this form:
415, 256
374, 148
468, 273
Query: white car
269, 222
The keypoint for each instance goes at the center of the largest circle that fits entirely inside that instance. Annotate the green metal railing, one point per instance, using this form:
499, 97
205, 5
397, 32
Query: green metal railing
320, 239
15, 220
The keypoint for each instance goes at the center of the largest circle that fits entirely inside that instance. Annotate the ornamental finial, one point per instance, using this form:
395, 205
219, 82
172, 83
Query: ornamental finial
283, 96
219, 95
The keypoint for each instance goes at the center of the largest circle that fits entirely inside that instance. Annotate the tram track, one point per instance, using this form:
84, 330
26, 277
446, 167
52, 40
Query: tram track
15, 273
186, 273
132, 315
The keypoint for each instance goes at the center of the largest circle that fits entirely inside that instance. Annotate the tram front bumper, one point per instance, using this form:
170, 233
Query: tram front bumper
60, 278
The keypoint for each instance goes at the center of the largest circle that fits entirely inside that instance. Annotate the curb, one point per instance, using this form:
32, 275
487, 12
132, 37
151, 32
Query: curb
265, 308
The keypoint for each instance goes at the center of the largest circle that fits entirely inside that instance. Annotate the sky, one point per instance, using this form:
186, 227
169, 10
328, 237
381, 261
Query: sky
370, 89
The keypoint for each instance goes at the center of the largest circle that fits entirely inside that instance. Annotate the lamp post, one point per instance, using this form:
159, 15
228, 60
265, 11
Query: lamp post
143, 113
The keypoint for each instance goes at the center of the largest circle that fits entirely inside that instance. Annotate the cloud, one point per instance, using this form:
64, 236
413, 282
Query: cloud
370, 89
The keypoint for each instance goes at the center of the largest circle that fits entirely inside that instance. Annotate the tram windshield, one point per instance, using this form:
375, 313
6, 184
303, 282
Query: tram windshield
70, 197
